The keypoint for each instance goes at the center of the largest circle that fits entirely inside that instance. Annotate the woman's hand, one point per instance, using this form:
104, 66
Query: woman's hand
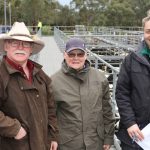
54, 145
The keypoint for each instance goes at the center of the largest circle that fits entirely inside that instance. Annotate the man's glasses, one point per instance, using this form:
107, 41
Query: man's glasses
72, 55
16, 43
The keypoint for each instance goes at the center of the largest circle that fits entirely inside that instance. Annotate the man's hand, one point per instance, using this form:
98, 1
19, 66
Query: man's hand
134, 131
106, 147
20, 134
54, 145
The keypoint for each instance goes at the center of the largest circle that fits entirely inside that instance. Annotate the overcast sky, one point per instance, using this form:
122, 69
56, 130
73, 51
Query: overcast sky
64, 2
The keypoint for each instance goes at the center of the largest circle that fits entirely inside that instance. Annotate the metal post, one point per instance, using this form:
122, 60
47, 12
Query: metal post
96, 63
114, 89
5, 19
9, 5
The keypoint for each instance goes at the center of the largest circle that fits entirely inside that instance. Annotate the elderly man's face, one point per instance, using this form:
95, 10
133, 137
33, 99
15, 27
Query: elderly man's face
147, 33
18, 51
75, 59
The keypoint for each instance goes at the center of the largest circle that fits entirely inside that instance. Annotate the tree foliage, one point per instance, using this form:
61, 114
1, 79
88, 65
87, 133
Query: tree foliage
85, 12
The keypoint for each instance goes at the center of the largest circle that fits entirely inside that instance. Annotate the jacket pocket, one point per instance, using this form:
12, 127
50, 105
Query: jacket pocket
11, 143
68, 129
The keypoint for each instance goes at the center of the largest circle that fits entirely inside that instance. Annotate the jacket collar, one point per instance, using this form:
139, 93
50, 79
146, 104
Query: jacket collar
12, 70
6, 70
81, 75
145, 51
139, 55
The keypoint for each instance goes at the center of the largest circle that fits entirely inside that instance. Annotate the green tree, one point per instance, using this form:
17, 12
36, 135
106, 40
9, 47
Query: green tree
65, 17
32, 11
85, 12
15, 10
119, 12
140, 7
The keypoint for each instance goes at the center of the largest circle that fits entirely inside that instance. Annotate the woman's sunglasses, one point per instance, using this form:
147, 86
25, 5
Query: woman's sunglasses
72, 55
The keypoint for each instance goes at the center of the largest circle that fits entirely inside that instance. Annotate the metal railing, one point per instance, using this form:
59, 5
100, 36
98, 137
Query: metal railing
115, 72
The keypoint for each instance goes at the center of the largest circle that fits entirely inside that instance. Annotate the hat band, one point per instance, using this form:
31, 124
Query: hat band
21, 35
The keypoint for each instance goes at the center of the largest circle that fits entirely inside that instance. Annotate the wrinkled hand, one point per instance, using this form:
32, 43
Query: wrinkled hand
135, 131
54, 145
106, 147
20, 134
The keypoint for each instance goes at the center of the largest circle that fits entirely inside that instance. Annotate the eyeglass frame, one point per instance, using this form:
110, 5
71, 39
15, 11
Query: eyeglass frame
23, 43
73, 55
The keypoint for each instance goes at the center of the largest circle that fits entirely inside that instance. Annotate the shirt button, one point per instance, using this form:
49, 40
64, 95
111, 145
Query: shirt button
37, 96
22, 88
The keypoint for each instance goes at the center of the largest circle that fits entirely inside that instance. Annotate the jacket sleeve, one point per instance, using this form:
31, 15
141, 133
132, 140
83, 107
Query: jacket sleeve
9, 127
109, 120
123, 92
52, 120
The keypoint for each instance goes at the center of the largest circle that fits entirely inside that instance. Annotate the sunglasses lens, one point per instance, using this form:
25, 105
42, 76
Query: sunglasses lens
72, 55
80, 54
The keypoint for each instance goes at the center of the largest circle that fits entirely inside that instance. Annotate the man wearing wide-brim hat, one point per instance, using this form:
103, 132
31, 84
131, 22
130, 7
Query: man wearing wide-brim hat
27, 111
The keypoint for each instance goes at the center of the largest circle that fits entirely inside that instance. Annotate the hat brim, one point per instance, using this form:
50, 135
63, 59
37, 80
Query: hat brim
74, 48
37, 43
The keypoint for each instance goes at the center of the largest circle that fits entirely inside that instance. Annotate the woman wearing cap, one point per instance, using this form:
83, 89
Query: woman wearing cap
84, 112
27, 110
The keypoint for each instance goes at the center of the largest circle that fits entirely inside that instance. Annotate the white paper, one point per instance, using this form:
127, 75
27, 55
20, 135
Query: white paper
145, 144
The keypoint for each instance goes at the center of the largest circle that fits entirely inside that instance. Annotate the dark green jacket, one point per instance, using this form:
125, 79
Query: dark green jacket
28, 105
83, 108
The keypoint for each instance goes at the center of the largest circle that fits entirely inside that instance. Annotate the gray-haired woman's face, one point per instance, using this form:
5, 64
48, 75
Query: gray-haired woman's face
75, 59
